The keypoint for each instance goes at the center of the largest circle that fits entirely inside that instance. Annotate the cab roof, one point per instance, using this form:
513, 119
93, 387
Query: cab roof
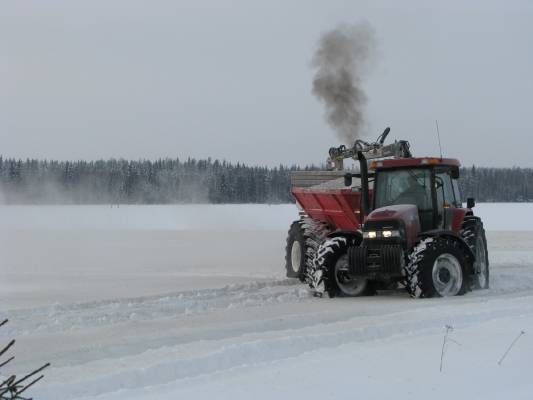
414, 162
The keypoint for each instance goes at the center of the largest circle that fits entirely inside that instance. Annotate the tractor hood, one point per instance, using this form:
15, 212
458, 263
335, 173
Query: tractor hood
405, 214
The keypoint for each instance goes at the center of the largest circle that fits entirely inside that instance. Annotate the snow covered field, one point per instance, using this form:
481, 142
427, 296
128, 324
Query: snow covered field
165, 302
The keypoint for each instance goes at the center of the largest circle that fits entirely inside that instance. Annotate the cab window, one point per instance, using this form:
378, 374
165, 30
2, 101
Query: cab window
457, 193
403, 186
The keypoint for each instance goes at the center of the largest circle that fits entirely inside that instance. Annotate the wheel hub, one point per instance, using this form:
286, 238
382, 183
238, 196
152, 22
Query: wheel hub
296, 256
447, 275
444, 275
349, 284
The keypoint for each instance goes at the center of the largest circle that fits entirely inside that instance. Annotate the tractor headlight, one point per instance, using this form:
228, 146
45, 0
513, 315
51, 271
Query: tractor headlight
370, 235
389, 233
385, 234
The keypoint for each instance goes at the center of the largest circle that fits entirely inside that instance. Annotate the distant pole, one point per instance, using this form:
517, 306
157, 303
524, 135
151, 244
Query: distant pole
445, 341
438, 136
510, 347
448, 330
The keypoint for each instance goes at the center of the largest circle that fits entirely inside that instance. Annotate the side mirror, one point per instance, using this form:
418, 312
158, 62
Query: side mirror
348, 180
470, 202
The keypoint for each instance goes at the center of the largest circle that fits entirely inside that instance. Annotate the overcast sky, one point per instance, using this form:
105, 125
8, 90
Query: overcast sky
232, 79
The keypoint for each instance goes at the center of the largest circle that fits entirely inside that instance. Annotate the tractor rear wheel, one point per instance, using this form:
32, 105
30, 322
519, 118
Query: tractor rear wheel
437, 268
331, 262
473, 234
303, 240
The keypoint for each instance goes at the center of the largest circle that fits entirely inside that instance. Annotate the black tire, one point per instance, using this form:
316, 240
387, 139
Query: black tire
473, 234
437, 267
328, 259
305, 234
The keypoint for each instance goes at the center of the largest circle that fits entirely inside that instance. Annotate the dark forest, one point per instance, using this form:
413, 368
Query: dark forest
169, 181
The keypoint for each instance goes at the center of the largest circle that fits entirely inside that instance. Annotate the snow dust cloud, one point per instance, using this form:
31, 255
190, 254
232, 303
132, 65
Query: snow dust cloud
2, 197
340, 61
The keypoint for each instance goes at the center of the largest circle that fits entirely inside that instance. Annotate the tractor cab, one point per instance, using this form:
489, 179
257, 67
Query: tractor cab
430, 184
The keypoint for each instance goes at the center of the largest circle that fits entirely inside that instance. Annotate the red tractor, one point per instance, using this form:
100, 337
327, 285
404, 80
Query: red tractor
398, 221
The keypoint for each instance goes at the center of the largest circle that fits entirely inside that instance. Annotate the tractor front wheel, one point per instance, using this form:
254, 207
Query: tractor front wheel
437, 268
332, 261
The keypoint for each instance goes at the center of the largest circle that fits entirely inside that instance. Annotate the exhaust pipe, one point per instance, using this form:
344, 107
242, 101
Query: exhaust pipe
384, 135
363, 170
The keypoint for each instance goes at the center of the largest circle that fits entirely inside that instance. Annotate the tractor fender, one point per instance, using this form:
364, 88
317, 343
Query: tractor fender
450, 235
356, 236
471, 217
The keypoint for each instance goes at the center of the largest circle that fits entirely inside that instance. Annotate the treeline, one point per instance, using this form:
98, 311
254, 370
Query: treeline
497, 184
141, 182
198, 181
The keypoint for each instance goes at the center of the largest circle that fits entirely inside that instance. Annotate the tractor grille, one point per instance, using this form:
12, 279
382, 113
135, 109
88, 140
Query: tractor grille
386, 258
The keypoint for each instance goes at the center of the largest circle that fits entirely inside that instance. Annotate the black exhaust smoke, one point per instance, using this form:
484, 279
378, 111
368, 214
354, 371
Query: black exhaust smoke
340, 61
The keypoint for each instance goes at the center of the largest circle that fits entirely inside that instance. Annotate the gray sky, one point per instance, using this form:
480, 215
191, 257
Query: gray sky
232, 79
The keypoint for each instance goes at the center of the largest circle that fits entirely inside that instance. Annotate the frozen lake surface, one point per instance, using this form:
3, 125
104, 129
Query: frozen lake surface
496, 216
164, 302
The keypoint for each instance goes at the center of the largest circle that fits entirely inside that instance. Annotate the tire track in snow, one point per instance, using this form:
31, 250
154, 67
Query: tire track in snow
233, 345
58, 318
71, 317
199, 358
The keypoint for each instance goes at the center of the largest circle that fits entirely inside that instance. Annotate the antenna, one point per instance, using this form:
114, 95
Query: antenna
438, 136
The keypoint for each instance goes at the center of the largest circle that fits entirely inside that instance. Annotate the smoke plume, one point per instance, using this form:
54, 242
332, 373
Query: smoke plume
340, 62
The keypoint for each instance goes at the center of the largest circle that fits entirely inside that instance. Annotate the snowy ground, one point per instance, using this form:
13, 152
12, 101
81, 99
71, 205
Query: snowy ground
167, 302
